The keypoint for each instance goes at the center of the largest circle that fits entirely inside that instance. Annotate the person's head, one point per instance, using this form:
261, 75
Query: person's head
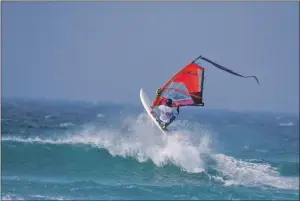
169, 102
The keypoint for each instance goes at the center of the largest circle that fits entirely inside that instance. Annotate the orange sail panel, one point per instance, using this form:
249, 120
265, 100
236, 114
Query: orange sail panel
185, 87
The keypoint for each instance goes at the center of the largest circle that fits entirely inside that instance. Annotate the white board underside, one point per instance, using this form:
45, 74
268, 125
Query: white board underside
146, 103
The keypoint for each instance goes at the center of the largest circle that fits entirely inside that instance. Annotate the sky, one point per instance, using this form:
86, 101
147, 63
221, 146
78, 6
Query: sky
107, 51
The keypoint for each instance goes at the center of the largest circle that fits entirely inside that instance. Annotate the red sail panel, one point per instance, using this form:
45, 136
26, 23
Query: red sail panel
185, 87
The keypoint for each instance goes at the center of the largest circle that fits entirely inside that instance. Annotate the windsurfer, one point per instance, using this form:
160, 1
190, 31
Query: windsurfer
166, 114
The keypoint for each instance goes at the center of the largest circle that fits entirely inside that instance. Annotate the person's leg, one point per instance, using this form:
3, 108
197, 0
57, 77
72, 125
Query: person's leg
165, 125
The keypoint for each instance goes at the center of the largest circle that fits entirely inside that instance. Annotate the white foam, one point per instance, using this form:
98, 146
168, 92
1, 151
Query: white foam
48, 116
66, 124
47, 197
238, 172
286, 124
100, 115
185, 149
10, 196
144, 142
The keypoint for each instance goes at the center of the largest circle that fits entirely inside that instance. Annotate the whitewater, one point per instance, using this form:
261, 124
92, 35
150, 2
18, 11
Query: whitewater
76, 150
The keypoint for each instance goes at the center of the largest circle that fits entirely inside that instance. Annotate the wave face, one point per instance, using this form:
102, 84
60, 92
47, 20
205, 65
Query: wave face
56, 150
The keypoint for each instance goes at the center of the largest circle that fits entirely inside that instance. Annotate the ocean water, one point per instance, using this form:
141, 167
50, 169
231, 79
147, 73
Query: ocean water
77, 150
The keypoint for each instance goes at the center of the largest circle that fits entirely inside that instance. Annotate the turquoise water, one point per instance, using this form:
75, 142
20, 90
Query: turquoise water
77, 150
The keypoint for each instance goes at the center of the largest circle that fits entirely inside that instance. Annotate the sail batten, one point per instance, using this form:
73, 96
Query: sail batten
184, 87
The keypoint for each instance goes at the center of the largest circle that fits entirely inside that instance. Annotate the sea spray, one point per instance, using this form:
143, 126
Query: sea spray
126, 157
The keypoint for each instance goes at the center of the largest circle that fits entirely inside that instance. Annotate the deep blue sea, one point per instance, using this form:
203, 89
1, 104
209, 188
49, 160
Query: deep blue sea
78, 150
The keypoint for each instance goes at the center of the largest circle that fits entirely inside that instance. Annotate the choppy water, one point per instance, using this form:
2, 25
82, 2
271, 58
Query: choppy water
77, 150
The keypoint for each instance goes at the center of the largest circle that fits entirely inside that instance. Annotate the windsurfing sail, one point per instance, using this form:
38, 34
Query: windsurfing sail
185, 87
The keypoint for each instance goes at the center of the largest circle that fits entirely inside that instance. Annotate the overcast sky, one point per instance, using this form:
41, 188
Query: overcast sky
107, 51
